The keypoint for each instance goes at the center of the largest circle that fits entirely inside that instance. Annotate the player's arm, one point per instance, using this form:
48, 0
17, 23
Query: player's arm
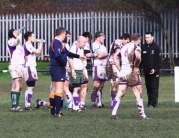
88, 54
46, 57
138, 57
71, 53
158, 59
102, 55
14, 42
137, 61
116, 57
38, 51
19, 37
70, 60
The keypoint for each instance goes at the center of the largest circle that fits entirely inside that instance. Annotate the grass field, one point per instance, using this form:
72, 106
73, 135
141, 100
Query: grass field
94, 123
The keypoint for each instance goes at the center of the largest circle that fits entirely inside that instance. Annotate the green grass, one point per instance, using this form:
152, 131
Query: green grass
94, 123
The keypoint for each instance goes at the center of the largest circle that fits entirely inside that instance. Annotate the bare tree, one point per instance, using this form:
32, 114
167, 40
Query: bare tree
152, 9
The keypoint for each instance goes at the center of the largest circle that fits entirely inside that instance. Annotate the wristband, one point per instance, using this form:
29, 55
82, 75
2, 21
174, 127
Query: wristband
72, 70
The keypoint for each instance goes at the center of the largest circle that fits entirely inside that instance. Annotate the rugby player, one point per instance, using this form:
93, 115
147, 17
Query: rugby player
16, 66
99, 68
130, 55
30, 72
111, 68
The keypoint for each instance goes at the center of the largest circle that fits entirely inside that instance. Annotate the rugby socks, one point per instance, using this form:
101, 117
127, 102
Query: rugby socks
69, 99
28, 97
75, 101
61, 105
112, 98
17, 98
94, 95
99, 99
42, 103
93, 98
57, 100
52, 103
140, 106
81, 104
13, 99
115, 106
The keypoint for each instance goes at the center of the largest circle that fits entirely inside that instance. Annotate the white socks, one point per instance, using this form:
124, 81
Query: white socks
28, 97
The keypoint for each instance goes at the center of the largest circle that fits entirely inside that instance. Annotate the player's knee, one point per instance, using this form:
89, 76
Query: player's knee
20, 88
96, 84
123, 91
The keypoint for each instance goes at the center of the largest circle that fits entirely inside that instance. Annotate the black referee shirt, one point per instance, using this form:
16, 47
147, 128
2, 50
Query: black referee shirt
151, 58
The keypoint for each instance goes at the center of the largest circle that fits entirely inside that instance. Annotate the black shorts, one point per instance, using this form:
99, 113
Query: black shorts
30, 83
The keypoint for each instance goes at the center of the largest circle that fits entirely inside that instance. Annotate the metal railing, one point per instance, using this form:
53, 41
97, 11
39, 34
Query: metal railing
113, 24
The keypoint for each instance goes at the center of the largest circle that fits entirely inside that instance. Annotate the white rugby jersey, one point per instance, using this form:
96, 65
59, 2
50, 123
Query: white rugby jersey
97, 47
67, 46
77, 63
87, 47
127, 55
117, 44
31, 58
16, 51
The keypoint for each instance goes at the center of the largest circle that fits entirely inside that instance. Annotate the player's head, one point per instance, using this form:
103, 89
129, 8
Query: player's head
68, 35
149, 37
136, 38
60, 33
125, 38
12, 33
29, 36
99, 36
88, 36
81, 41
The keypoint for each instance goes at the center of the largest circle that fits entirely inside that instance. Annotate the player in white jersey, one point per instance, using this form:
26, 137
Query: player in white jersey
130, 55
30, 72
111, 68
68, 36
16, 66
76, 74
84, 86
68, 94
99, 68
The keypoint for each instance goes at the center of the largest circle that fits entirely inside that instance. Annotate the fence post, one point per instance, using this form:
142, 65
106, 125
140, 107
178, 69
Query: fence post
176, 84
28, 22
92, 25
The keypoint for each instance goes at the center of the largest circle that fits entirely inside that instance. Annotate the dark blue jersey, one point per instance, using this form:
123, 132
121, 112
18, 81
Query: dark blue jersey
56, 49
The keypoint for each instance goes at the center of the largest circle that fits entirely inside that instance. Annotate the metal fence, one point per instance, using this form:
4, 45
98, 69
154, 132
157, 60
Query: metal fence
113, 24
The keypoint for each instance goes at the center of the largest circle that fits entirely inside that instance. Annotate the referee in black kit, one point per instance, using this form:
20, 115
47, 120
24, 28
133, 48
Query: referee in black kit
151, 64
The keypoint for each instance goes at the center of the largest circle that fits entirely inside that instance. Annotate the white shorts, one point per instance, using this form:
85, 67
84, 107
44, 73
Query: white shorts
128, 79
16, 71
99, 73
30, 74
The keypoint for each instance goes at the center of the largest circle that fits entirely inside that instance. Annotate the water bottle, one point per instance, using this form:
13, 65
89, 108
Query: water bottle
38, 40
95, 53
22, 28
